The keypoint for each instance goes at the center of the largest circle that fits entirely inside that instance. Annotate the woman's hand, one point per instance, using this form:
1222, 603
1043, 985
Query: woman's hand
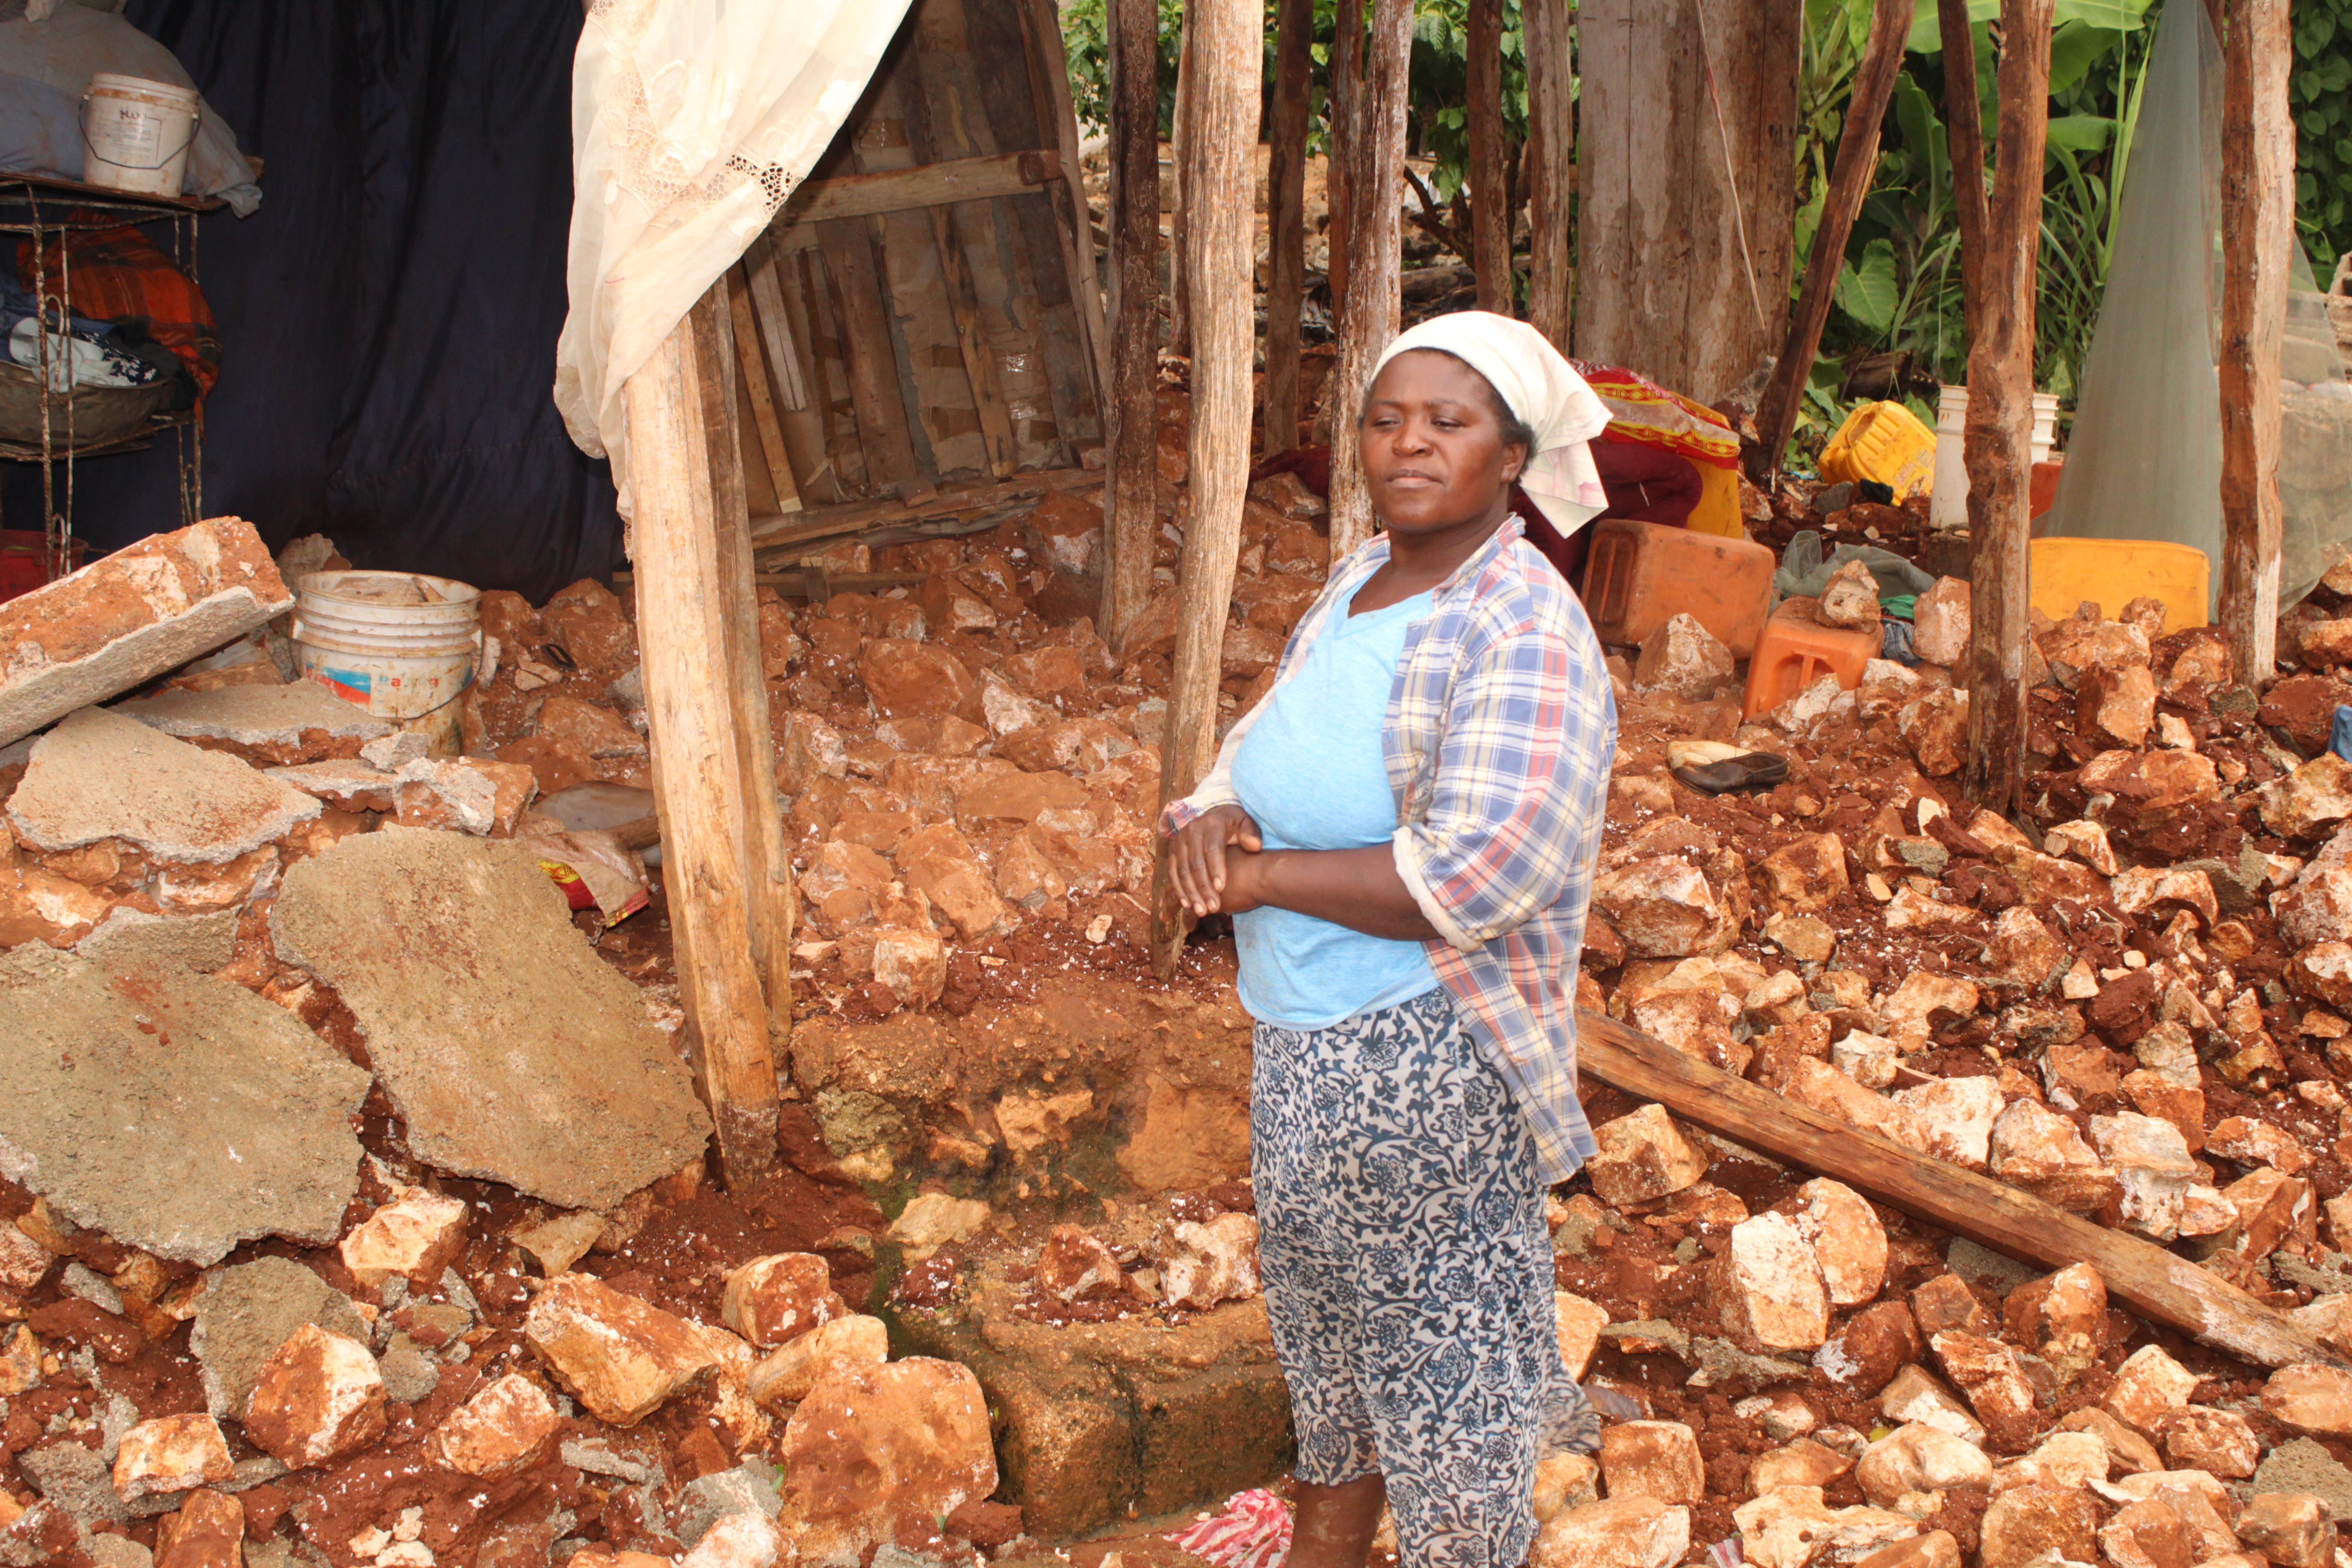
1199, 863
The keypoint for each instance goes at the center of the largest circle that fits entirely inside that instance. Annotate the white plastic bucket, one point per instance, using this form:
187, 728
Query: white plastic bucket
139, 132
402, 646
1948, 505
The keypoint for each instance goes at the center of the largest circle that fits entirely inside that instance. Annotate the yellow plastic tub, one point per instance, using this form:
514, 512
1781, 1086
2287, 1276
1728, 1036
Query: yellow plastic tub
1883, 441
2112, 572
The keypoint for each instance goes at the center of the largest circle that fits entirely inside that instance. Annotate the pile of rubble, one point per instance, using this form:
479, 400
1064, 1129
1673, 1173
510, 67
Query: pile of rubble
2127, 1001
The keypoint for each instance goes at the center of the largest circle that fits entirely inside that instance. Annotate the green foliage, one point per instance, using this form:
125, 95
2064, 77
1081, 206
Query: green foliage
1085, 42
2323, 126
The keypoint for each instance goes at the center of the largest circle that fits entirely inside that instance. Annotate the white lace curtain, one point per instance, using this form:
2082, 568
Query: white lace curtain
691, 121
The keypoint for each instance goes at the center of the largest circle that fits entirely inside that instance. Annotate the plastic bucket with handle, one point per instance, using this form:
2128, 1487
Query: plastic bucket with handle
139, 133
403, 646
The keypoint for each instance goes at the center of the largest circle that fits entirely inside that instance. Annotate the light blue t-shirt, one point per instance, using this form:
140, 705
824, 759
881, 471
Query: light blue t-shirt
1311, 770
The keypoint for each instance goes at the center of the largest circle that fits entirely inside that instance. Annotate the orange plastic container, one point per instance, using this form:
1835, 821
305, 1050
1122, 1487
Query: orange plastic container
2112, 572
1639, 575
1792, 654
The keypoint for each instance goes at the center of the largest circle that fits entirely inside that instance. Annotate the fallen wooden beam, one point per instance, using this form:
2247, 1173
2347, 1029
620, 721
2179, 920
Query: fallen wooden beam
770, 533
2154, 1283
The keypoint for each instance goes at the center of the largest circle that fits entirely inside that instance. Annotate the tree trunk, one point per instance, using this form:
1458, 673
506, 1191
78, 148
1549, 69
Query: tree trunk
1662, 278
1228, 43
2258, 214
1179, 254
1857, 161
1998, 442
1490, 190
1964, 143
1286, 221
1131, 499
1375, 251
1550, 165
714, 784
1344, 114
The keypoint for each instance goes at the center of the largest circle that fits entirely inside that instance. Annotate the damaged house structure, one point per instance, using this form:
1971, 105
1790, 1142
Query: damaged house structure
588, 979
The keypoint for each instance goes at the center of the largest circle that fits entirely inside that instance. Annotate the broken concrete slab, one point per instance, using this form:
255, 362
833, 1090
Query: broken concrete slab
128, 936
174, 1111
100, 775
267, 726
509, 1050
246, 1312
130, 616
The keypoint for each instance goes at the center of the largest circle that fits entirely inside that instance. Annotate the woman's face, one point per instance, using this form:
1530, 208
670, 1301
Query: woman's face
1433, 446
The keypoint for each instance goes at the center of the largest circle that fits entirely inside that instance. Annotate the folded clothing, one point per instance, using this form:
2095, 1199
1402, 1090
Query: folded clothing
117, 278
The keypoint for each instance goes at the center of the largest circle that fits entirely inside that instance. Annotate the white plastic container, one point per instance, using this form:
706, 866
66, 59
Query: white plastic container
1948, 505
402, 646
139, 132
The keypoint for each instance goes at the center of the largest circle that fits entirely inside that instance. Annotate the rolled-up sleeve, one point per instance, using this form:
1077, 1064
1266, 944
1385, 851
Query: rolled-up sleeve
1522, 772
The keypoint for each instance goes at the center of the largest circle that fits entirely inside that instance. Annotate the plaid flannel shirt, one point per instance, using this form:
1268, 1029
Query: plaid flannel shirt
1501, 731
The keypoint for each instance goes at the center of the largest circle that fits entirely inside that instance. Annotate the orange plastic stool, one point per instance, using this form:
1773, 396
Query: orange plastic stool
1792, 654
1639, 575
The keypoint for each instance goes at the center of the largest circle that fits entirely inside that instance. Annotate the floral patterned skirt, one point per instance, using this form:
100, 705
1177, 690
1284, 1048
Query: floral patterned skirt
1408, 1276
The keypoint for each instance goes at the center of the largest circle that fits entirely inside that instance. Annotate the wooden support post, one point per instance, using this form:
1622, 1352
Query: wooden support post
1550, 165
1228, 38
1181, 136
714, 788
2167, 1289
1998, 446
1857, 159
1375, 243
1285, 220
1964, 143
1343, 118
1131, 500
1490, 190
2258, 217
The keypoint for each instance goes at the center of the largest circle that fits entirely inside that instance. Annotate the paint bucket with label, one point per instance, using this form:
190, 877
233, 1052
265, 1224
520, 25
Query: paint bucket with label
139, 133
403, 646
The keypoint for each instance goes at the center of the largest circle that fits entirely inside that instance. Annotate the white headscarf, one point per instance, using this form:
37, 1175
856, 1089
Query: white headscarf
1538, 385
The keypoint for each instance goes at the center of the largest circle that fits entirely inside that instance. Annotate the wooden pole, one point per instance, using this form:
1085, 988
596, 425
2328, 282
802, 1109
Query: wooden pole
1344, 117
2258, 217
1999, 441
1285, 220
1551, 166
1964, 143
1490, 191
1857, 158
2158, 1284
1131, 500
717, 858
1375, 252
1181, 136
1228, 40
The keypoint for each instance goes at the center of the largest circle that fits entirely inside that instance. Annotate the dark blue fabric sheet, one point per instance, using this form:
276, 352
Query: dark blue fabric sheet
389, 316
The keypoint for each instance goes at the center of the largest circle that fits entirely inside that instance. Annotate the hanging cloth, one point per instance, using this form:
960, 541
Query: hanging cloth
691, 121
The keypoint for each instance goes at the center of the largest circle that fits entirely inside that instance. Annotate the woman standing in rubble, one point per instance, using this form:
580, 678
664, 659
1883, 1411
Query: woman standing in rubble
1405, 831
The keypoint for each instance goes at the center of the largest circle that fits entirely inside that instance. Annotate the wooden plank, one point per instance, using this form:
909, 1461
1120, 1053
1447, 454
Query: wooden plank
2159, 1285
1857, 162
1963, 143
798, 409
769, 431
2258, 214
924, 186
814, 522
767, 857
1490, 194
810, 302
1228, 43
890, 464
1375, 256
1131, 503
1998, 445
1550, 164
1286, 219
760, 267
1058, 116
673, 409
